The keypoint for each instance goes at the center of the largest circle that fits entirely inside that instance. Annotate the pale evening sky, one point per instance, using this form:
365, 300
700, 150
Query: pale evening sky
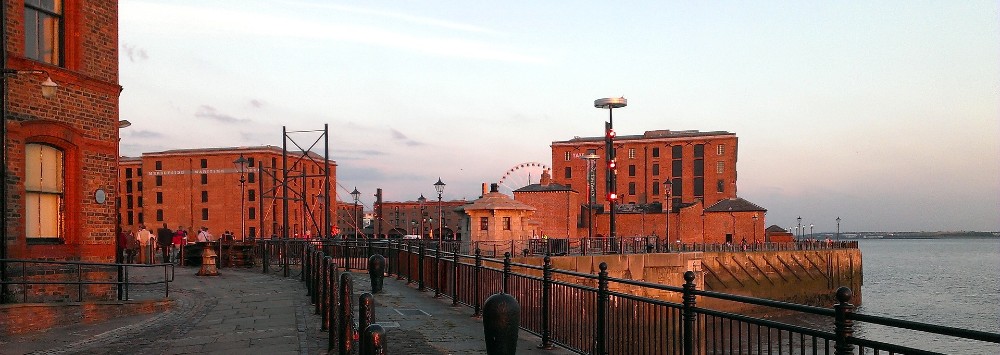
886, 113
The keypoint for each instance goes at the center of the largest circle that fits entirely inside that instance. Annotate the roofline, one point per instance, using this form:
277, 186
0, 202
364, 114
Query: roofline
672, 137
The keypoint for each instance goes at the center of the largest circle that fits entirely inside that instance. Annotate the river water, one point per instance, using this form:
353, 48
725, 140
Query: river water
949, 282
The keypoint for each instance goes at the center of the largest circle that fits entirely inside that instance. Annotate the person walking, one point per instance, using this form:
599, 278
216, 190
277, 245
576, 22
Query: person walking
204, 235
146, 241
165, 240
179, 241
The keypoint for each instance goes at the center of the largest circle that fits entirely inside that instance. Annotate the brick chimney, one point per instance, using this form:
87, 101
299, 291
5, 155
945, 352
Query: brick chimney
546, 178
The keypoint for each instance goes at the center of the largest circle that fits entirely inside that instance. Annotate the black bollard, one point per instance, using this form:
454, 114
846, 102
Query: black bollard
376, 272
501, 317
366, 316
345, 319
374, 340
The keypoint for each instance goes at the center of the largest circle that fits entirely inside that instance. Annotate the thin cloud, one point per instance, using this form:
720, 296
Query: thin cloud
256, 103
209, 112
145, 134
134, 53
399, 136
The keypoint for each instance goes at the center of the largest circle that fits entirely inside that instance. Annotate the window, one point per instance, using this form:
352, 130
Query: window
128, 173
138, 172
204, 196
43, 30
44, 185
677, 151
484, 223
567, 156
131, 218
251, 177
159, 180
676, 169
656, 152
720, 186
720, 167
251, 213
159, 215
204, 179
128, 187
128, 201
251, 195
204, 214
699, 186
631, 170
142, 219
159, 198
204, 163
699, 150
138, 186
720, 149
631, 153
631, 188
656, 169
139, 202
159, 165
656, 188
569, 173
699, 167
591, 151
506, 223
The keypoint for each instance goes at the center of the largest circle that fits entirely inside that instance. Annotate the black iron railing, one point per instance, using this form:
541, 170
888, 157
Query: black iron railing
597, 314
28, 278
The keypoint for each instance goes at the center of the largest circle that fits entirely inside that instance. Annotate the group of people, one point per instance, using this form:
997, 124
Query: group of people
142, 247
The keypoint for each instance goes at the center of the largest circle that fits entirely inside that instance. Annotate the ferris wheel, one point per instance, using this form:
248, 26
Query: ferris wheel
521, 175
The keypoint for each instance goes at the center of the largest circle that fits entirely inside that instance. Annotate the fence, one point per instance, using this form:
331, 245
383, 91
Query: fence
592, 314
47, 281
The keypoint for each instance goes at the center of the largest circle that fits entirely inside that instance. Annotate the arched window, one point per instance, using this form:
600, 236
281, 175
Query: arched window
44, 187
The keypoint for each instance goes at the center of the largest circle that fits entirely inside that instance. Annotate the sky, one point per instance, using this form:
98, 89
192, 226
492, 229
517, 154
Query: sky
885, 114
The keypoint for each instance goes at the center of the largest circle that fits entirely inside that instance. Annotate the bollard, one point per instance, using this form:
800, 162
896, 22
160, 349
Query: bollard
376, 272
374, 340
501, 318
346, 315
366, 315
332, 310
844, 326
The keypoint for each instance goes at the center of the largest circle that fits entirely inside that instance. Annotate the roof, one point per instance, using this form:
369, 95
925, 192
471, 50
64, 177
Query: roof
735, 204
497, 201
543, 188
657, 134
775, 228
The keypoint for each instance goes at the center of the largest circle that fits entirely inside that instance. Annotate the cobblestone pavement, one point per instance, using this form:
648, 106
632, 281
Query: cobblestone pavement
243, 311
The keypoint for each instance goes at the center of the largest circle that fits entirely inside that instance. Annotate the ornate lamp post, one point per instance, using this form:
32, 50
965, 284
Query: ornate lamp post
755, 228
591, 191
667, 208
356, 195
609, 142
810, 230
422, 200
439, 187
799, 227
241, 166
838, 229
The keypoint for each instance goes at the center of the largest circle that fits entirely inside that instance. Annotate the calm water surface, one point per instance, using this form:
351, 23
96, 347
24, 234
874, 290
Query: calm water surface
950, 282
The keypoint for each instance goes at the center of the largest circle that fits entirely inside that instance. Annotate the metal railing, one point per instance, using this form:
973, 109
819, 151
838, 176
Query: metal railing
92, 281
597, 314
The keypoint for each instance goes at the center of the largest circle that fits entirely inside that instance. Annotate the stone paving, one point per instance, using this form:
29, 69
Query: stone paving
243, 311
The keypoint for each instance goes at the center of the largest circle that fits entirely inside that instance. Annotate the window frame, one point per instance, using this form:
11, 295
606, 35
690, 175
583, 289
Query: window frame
33, 231
56, 39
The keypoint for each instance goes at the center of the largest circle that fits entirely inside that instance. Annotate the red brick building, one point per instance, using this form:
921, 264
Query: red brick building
60, 153
201, 187
408, 217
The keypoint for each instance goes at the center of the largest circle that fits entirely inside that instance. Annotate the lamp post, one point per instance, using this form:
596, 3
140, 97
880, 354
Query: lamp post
591, 191
609, 150
421, 200
838, 229
241, 166
667, 208
439, 187
810, 230
799, 228
755, 228
356, 195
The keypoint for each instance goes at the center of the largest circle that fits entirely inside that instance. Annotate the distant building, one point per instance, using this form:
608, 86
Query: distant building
60, 153
201, 187
424, 219
496, 217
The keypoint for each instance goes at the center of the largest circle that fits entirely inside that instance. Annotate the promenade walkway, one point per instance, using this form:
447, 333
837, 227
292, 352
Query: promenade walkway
243, 311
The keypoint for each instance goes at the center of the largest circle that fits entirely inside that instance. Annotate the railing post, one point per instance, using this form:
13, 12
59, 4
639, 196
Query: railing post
366, 315
477, 304
602, 309
546, 304
454, 279
121, 286
306, 270
437, 270
688, 317
506, 271
284, 257
314, 278
420, 269
325, 280
844, 325
331, 312
409, 267
266, 250
346, 314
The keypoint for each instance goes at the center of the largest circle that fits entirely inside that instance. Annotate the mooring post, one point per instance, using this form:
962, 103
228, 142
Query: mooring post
688, 316
501, 318
477, 302
327, 290
546, 304
332, 310
366, 315
376, 272
346, 316
844, 325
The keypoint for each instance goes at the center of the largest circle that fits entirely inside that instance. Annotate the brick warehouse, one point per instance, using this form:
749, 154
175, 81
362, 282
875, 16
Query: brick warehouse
59, 198
201, 187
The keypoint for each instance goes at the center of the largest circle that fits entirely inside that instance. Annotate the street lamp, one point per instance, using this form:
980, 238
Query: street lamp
591, 191
667, 208
356, 195
422, 200
609, 150
838, 229
241, 166
755, 228
439, 187
799, 227
810, 230
49, 89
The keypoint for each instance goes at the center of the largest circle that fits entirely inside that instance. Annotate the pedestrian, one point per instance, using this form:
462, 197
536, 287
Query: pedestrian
179, 241
122, 244
146, 241
204, 235
131, 248
165, 240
